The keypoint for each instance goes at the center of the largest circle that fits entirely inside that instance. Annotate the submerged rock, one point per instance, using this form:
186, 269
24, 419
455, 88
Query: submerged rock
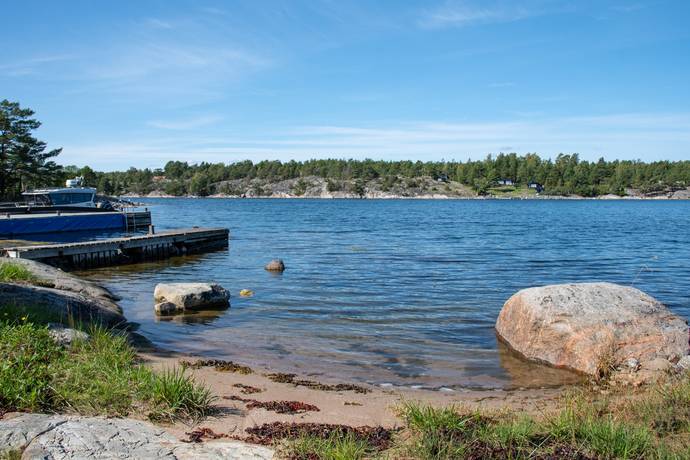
591, 326
71, 437
276, 265
180, 297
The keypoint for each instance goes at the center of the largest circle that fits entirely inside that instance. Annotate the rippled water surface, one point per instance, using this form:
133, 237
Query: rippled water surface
405, 292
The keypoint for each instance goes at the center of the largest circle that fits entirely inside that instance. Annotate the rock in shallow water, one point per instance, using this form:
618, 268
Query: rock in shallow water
180, 297
275, 265
585, 326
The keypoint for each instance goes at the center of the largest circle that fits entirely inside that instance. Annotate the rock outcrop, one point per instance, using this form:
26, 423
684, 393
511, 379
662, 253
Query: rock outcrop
592, 327
55, 278
61, 306
276, 265
180, 297
72, 437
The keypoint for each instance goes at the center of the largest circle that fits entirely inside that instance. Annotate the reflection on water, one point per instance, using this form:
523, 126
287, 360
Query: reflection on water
405, 292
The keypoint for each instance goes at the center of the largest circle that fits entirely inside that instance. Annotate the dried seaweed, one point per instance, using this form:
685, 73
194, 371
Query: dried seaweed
378, 438
247, 389
200, 434
280, 407
291, 379
218, 364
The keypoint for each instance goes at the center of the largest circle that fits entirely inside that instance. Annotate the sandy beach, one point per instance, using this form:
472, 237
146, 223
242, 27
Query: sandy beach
366, 406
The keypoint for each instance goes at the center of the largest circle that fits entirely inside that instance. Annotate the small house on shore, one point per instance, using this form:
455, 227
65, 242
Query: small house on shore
536, 185
505, 182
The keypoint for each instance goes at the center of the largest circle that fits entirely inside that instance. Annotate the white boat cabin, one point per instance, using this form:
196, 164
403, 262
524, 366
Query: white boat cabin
81, 197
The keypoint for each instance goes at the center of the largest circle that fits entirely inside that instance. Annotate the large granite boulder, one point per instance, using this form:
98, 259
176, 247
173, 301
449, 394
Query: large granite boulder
72, 437
55, 305
180, 297
586, 327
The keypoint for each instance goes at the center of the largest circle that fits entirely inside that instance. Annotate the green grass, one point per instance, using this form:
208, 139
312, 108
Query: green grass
16, 314
511, 191
176, 395
98, 376
28, 361
338, 446
15, 273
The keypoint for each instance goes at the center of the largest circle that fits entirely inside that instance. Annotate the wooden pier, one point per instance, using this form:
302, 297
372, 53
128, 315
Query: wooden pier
116, 251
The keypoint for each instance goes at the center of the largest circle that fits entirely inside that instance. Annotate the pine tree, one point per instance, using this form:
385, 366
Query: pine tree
24, 161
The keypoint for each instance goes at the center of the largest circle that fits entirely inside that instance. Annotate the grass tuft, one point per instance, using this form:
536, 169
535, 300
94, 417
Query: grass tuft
15, 273
337, 446
177, 395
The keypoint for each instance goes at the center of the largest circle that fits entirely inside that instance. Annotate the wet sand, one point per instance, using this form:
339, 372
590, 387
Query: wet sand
376, 407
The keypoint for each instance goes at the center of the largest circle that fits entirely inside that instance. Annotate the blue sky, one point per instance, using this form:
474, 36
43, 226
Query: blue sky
138, 83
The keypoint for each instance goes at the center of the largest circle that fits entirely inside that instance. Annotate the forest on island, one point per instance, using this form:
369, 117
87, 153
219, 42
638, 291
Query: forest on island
565, 175
25, 163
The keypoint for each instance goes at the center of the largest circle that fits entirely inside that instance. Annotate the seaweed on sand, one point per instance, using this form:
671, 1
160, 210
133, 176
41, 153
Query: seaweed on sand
280, 407
218, 364
292, 379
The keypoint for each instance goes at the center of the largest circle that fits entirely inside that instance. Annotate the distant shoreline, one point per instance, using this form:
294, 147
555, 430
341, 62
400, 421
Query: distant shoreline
421, 197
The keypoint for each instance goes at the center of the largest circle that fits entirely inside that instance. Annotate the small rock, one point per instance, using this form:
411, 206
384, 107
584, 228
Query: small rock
657, 364
166, 308
180, 297
632, 364
64, 336
683, 364
275, 265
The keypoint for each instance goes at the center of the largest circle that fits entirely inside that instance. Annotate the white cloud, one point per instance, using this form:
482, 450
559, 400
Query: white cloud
623, 136
32, 65
187, 124
459, 13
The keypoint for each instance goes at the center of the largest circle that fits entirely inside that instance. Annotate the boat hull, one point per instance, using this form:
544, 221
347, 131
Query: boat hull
28, 224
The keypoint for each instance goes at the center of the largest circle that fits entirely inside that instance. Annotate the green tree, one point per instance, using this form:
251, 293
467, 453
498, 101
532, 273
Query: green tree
24, 161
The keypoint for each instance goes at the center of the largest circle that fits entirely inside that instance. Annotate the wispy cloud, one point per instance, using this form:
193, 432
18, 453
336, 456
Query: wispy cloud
459, 13
157, 23
634, 135
32, 65
181, 125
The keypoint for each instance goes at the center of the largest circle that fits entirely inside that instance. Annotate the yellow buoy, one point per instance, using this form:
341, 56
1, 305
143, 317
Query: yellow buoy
246, 293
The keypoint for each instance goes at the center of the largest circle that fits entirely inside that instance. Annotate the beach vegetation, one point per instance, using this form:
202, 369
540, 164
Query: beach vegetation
15, 273
336, 446
100, 375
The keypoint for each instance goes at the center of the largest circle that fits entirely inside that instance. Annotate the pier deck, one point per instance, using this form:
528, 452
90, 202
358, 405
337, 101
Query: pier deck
116, 251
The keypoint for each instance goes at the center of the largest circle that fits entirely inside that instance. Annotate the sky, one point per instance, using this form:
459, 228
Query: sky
139, 83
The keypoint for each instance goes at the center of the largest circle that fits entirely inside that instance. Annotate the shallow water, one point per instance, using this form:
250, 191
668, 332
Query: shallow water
402, 292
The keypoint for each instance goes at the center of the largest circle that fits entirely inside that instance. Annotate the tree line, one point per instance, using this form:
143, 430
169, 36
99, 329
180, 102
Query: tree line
25, 163
564, 175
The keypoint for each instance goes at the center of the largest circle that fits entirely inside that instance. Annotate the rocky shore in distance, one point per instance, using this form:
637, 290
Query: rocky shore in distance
424, 188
